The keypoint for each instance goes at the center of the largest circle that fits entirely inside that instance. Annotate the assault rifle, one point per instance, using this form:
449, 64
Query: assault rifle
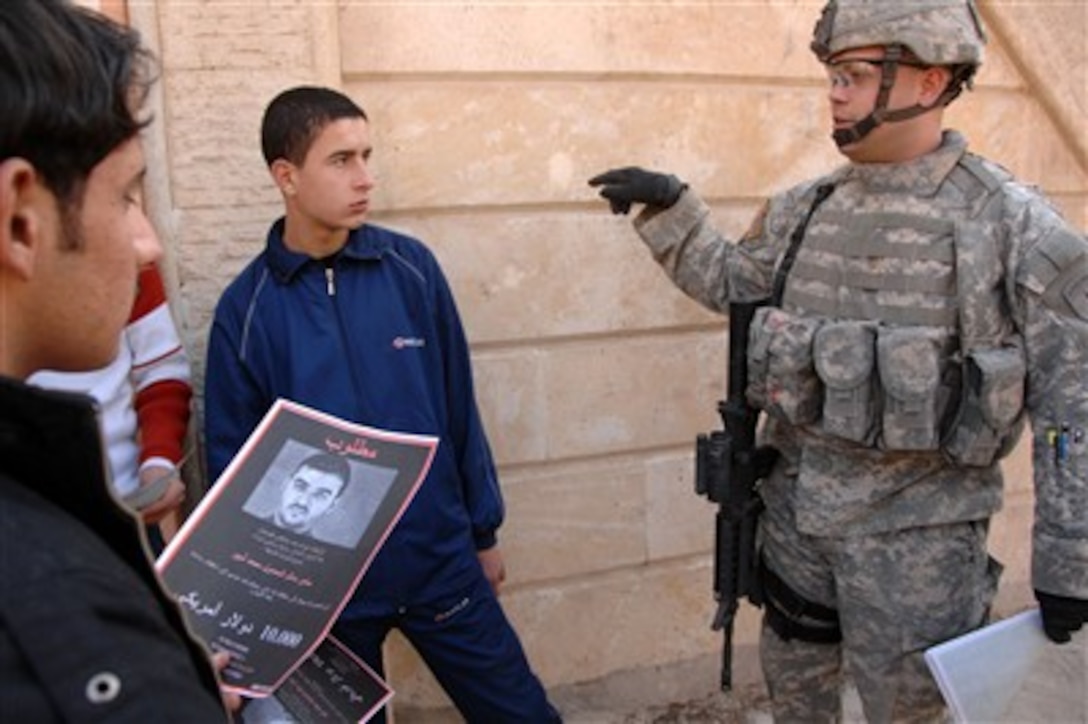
727, 466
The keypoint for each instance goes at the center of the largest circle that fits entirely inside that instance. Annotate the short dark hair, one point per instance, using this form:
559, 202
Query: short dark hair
295, 117
328, 463
72, 85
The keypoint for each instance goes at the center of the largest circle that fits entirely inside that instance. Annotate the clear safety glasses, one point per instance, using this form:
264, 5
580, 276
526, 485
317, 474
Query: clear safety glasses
859, 72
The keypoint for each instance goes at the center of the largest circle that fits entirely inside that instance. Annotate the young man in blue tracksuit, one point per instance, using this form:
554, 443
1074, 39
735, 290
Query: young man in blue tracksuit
358, 321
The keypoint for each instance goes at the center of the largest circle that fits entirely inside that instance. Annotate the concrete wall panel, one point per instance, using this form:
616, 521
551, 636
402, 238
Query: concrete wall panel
518, 276
661, 38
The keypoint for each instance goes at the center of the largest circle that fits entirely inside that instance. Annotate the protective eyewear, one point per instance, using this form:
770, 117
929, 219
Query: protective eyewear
859, 72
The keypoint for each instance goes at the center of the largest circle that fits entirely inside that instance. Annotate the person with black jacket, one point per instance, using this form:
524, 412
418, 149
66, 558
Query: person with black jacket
87, 633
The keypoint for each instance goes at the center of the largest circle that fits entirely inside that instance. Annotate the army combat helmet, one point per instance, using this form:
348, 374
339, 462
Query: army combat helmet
917, 33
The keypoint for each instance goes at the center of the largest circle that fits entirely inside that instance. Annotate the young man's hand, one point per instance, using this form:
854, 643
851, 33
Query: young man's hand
494, 568
171, 498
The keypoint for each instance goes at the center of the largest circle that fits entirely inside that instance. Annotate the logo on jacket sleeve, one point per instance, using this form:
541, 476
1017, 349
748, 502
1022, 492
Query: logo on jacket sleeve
406, 342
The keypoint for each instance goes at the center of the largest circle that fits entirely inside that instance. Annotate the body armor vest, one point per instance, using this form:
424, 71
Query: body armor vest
893, 332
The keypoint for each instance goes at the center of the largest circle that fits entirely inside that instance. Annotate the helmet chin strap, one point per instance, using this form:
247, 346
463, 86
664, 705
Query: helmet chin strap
880, 113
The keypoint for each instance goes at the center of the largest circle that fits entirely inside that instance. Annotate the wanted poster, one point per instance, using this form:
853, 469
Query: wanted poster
271, 554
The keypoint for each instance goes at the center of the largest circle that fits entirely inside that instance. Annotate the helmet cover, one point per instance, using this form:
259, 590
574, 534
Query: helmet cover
937, 32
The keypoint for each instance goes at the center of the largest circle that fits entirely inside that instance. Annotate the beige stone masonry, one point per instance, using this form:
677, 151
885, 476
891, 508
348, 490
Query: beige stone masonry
519, 272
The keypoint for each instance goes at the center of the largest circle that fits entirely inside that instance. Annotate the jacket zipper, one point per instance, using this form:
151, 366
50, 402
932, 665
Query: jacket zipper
353, 368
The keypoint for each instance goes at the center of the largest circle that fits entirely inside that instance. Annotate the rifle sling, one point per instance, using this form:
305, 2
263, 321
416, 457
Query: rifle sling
822, 193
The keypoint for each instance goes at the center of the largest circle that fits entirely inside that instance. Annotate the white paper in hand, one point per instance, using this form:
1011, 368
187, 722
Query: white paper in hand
981, 674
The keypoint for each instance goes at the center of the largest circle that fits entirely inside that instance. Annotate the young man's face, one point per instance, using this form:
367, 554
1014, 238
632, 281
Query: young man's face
308, 495
331, 189
90, 263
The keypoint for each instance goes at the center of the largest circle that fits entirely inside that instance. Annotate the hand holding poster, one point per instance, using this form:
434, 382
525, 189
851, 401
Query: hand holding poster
272, 553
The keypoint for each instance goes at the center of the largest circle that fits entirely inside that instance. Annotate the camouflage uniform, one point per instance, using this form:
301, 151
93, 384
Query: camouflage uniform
931, 306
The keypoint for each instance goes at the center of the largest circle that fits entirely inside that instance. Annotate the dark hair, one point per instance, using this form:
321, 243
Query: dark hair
293, 119
331, 464
72, 83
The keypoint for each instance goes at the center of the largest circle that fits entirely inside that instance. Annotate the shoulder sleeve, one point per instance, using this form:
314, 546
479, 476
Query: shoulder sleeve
157, 351
479, 477
684, 241
1056, 269
160, 371
1051, 293
708, 266
234, 403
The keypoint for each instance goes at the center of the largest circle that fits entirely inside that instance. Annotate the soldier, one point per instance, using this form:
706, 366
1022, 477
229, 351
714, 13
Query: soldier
923, 304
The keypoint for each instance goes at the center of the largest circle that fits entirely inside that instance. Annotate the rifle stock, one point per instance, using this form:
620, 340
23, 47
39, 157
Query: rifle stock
727, 466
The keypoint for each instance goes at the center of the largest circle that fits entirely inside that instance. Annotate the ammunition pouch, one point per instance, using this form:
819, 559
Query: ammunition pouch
894, 388
989, 419
845, 354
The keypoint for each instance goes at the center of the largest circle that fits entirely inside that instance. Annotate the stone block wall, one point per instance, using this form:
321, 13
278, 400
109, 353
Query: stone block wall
593, 372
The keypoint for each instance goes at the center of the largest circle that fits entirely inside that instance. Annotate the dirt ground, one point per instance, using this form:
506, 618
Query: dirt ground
713, 709
679, 694
751, 708
747, 706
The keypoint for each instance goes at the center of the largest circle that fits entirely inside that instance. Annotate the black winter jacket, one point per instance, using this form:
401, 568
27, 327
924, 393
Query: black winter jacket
87, 633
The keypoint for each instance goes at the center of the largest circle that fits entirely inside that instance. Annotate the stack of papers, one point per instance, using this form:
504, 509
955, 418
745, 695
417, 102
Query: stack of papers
1010, 671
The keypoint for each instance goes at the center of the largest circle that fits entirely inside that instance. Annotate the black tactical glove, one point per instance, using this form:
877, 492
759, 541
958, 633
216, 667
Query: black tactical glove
1062, 615
625, 186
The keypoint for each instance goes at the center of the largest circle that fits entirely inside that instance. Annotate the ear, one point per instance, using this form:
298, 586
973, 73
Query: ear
933, 83
22, 216
283, 173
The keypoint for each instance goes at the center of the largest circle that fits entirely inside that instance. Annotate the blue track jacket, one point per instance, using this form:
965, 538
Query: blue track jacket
373, 337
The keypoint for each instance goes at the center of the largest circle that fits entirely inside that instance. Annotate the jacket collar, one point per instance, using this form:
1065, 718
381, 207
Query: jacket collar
364, 243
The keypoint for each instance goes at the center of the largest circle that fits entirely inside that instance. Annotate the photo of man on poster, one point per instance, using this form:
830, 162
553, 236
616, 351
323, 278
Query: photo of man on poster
312, 491
317, 494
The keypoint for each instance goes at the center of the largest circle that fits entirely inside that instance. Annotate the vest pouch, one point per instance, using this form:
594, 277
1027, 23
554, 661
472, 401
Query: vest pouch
781, 377
908, 359
844, 355
992, 401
